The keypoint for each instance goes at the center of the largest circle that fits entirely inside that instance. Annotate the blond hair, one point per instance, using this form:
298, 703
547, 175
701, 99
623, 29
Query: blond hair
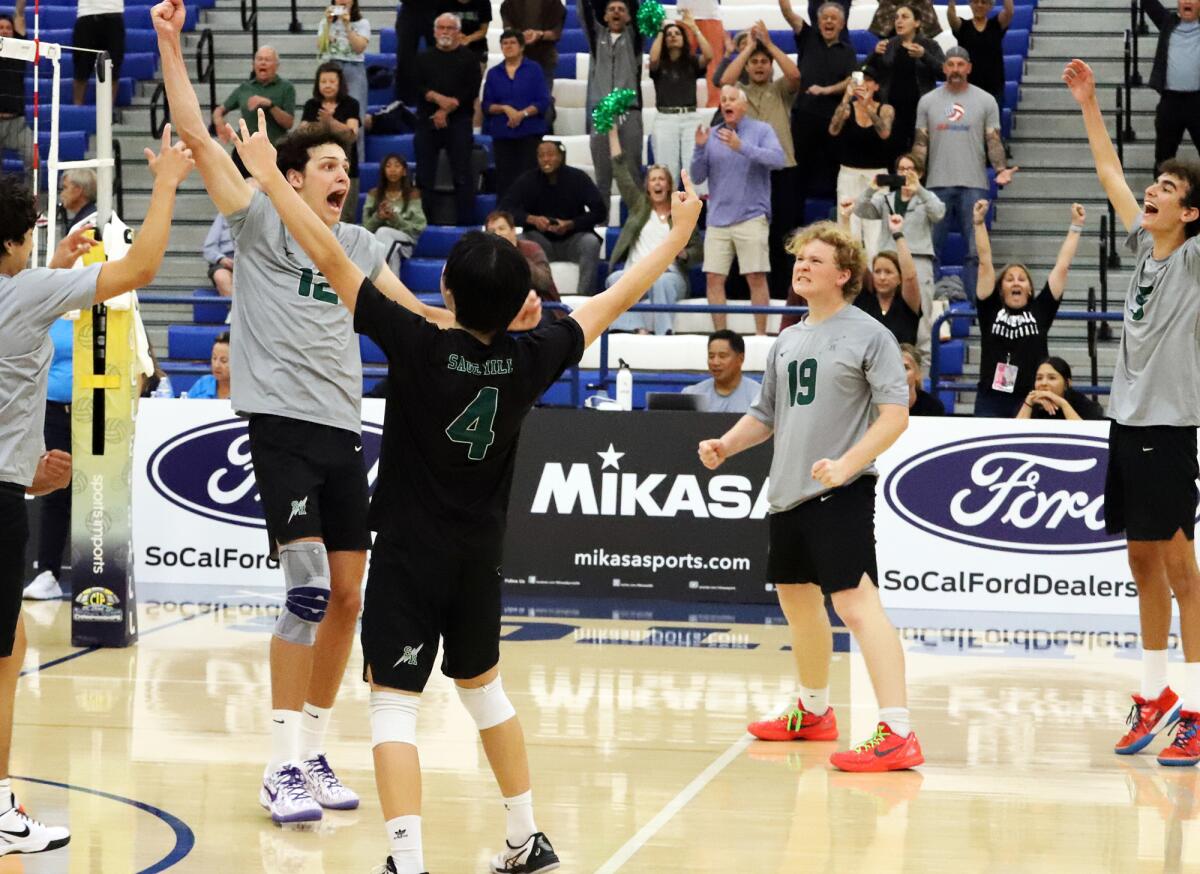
849, 253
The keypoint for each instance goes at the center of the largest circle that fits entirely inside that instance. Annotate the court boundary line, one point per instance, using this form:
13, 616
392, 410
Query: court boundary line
88, 650
676, 804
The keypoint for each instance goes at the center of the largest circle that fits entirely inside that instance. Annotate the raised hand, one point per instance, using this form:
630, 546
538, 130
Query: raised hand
173, 163
701, 136
685, 205
980, 211
1078, 214
256, 151
530, 315
846, 207
72, 246
168, 17
712, 453
1081, 81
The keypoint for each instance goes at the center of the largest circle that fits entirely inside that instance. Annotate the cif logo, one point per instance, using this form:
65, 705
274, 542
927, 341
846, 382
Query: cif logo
97, 604
208, 471
956, 112
1041, 493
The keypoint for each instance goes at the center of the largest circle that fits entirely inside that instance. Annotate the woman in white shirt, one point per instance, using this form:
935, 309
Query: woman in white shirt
343, 36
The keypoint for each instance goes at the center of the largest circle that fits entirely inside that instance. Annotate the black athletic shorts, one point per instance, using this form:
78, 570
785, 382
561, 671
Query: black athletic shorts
14, 535
105, 32
1150, 487
828, 540
312, 481
414, 596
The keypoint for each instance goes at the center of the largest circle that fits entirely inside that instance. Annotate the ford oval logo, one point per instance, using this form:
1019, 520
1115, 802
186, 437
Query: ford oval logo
1040, 493
208, 471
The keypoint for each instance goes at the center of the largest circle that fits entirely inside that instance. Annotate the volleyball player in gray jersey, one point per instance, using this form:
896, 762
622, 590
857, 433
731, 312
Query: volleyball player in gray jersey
297, 374
30, 302
1150, 491
834, 395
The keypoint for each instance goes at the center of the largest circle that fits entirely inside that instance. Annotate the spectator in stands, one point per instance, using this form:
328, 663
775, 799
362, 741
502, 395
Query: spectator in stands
343, 36
920, 402
541, 24
736, 158
515, 103
77, 195
728, 390
218, 252
771, 100
861, 129
266, 90
1012, 322
331, 105
54, 514
958, 133
157, 383
733, 48
826, 61
909, 63
216, 383
414, 28
883, 24
1053, 398
474, 18
616, 62
922, 210
99, 25
501, 224
1175, 76
983, 38
393, 211
707, 17
890, 292
559, 208
674, 67
14, 133
447, 77
648, 224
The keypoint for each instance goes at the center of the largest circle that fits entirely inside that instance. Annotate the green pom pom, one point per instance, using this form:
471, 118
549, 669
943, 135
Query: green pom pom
650, 18
614, 105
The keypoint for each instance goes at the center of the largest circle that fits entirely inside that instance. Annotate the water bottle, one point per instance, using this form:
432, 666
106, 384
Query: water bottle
162, 390
624, 386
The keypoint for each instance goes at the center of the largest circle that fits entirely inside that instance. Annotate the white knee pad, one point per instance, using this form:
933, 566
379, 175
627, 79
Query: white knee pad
305, 567
488, 705
394, 718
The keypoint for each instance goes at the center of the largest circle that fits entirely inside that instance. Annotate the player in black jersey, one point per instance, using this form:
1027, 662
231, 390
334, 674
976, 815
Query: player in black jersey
456, 402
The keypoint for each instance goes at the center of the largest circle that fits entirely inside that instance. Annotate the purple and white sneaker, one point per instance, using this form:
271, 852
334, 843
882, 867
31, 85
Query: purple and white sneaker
286, 795
325, 787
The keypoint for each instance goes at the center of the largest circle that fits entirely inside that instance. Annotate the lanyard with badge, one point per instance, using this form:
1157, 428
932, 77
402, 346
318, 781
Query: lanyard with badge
1005, 379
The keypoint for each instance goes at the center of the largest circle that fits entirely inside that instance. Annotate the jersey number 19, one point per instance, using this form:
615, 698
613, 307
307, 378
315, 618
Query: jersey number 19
802, 382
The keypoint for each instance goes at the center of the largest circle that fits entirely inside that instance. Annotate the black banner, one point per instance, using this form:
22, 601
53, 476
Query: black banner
610, 504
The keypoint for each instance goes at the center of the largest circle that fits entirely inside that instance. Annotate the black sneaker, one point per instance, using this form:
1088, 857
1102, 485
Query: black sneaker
535, 854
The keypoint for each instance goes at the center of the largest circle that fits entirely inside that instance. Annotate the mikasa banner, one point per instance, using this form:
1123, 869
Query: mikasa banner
972, 514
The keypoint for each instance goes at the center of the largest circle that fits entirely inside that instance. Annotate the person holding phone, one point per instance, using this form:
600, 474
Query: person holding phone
909, 63
861, 129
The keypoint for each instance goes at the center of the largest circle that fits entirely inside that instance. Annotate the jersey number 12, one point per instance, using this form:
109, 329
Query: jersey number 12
474, 424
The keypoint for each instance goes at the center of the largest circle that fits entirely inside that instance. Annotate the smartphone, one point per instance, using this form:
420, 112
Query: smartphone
890, 180
335, 11
857, 78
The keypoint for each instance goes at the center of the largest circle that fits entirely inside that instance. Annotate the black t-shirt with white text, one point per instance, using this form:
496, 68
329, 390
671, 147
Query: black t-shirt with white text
1017, 337
455, 406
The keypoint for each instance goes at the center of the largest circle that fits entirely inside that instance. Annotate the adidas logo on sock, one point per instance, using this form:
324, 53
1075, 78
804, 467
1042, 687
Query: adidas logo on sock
401, 834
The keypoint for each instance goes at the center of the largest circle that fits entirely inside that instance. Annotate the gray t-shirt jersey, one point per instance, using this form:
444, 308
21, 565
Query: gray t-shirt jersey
1157, 377
712, 401
29, 304
956, 124
819, 392
294, 350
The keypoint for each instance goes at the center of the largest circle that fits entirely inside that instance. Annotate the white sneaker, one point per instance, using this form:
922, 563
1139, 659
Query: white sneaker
21, 833
285, 794
325, 787
535, 854
44, 587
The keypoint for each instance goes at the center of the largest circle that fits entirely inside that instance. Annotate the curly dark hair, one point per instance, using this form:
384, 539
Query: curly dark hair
20, 210
293, 150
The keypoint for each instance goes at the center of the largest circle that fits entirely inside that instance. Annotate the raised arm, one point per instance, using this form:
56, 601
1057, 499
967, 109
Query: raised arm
602, 309
985, 284
791, 73
656, 48
225, 184
19, 18
910, 286
140, 265
952, 15
1079, 78
734, 71
793, 18
1005, 16
631, 192
1066, 252
1156, 12
706, 50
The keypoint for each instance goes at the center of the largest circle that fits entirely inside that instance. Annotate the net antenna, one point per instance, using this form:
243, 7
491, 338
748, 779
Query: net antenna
34, 51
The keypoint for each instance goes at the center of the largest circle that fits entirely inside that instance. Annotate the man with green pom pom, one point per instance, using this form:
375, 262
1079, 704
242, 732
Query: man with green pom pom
616, 63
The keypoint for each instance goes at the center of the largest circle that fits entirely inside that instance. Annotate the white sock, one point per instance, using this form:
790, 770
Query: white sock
404, 838
6, 795
896, 719
1191, 686
815, 701
285, 738
519, 817
1154, 673
312, 729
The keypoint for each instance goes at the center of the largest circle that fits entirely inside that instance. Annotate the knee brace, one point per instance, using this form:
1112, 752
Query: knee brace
306, 575
488, 705
394, 718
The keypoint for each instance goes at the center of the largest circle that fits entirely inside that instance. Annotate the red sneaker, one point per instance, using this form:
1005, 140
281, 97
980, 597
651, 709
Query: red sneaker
797, 724
884, 751
1146, 719
1185, 749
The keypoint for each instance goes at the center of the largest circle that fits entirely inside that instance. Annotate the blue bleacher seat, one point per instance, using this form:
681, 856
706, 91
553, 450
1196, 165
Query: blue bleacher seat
1011, 95
380, 96
192, 342
572, 19
1006, 122
71, 144
378, 146
422, 274
1014, 68
954, 250
960, 327
864, 41
611, 235
371, 354
437, 240
368, 176
781, 38
1016, 42
70, 118
1022, 18
181, 379
207, 313
941, 271
573, 41
381, 59
953, 354
387, 41
818, 210
484, 203
66, 91
566, 67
